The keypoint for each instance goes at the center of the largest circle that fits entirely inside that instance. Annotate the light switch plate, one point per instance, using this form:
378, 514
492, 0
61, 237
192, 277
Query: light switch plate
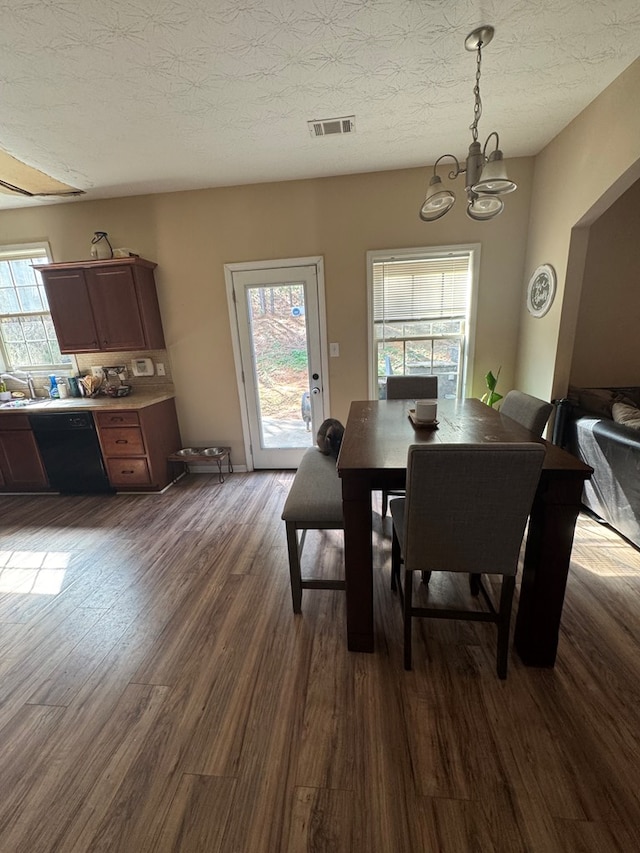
334, 350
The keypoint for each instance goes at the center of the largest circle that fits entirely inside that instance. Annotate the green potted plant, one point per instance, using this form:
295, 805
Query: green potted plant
491, 397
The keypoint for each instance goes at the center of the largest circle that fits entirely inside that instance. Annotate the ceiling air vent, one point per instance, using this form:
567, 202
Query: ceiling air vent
332, 126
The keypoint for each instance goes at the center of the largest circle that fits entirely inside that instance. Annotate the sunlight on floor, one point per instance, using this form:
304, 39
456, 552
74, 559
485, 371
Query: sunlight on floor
33, 572
601, 551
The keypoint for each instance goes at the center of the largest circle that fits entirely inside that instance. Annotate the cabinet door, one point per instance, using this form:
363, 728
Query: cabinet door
20, 461
71, 310
113, 296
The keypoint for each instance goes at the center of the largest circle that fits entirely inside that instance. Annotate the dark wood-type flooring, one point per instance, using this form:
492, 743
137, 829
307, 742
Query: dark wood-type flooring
157, 693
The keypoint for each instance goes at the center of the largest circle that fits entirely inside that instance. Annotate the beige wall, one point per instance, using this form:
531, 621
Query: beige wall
191, 235
607, 341
576, 178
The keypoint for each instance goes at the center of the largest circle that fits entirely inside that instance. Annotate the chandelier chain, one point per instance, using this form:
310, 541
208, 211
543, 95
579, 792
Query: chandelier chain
477, 107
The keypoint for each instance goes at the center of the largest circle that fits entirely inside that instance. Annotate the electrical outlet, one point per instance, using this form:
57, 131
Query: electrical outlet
160, 369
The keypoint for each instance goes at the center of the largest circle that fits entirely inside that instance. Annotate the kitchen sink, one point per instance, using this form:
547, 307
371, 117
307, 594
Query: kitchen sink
21, 404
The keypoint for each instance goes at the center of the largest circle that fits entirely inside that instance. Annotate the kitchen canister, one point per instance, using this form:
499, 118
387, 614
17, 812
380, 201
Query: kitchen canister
101, 249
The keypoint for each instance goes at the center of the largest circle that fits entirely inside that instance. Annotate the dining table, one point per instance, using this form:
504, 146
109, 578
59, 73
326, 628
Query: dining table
373, 456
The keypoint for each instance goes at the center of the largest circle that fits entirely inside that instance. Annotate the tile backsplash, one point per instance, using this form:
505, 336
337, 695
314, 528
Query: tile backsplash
86, 361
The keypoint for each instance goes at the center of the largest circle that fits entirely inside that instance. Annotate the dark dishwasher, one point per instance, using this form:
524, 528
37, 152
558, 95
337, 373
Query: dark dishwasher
70, 450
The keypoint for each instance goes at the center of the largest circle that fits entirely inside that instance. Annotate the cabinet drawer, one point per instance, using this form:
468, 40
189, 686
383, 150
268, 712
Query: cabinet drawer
109, 419
122, 441
128, 472
11, 421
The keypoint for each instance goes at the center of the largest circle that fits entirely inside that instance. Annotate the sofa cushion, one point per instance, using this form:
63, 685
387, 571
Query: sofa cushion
626, 414
599, 401
596, 400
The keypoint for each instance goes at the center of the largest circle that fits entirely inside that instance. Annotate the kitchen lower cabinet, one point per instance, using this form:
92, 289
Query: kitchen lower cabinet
21, 468
136, 443
104, 306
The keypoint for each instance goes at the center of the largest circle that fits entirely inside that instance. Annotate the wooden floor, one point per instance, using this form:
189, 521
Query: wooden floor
157, 694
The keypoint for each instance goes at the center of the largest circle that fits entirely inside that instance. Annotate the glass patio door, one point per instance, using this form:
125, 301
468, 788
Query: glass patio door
279, 337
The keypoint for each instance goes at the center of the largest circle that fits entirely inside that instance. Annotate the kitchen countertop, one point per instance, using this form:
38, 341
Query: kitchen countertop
136, 400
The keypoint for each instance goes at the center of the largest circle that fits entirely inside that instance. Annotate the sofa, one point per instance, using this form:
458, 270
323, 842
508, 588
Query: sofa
601, 426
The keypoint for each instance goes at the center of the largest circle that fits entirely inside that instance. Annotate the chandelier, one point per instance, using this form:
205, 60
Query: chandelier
486, 178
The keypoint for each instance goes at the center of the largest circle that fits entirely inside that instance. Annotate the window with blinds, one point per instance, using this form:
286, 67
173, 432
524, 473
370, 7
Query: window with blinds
420, 315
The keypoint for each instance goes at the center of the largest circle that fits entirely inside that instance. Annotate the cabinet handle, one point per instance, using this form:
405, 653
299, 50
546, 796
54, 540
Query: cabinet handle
115, 420
121, 441
126, 472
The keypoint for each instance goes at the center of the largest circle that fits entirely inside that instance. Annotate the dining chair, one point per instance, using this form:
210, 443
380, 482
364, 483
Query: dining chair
530, 412
418, 386
415, 387
465, 510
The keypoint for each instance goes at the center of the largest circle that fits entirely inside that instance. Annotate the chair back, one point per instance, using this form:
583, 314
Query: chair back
415, 387
530, 412
467, 505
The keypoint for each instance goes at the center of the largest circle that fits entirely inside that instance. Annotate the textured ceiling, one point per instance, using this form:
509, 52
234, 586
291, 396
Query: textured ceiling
121, 97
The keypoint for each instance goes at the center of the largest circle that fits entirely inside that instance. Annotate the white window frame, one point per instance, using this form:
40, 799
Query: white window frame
473, 250
16, 252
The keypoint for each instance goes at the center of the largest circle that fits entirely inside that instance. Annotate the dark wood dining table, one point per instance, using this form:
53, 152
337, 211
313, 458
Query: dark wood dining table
373, 457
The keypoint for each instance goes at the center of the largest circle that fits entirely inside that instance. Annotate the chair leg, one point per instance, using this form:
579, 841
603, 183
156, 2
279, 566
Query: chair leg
294, 567
474, 584
426, 577
504, 621
396, 558
408, 603
385, 503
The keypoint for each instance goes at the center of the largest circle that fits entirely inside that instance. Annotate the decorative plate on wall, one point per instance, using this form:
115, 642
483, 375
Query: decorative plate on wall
541, 290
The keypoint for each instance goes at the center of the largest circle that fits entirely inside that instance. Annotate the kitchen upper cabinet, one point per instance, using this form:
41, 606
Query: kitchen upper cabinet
104, 306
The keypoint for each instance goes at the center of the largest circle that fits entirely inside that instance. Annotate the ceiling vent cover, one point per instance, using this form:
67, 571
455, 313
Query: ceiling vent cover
332, 126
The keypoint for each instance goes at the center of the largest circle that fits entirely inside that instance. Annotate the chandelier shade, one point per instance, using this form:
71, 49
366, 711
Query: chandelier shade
485, 207
494, 176
486, 175
437, 201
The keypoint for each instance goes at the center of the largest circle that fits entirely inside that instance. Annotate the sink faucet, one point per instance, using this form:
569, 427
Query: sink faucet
28, 381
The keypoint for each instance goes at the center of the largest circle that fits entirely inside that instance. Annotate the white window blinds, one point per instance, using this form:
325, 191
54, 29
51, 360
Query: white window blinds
406, 289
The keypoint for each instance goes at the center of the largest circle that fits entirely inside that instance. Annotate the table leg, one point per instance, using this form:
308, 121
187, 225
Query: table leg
546, 567
358, 559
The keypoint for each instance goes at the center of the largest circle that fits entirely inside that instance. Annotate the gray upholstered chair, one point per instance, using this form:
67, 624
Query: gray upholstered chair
415, 387
530, 412
465, 510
